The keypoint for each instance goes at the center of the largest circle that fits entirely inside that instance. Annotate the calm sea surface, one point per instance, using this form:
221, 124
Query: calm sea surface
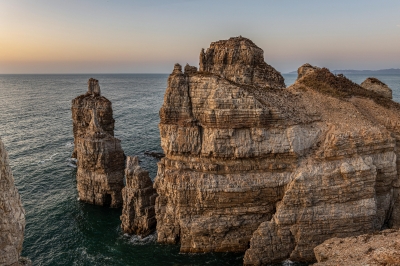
36, 128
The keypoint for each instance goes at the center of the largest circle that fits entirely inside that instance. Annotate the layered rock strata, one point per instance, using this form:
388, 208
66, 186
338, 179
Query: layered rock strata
378, 249
375, 85
138, 214
100, 158
241, 61
12, 215
280, 170
348, 185
82, 107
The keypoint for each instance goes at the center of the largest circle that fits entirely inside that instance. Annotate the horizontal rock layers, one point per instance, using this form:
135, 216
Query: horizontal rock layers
101, 162
378, 249
280, 170
82, 107
348, 185
12, 215
138, 214
217, 182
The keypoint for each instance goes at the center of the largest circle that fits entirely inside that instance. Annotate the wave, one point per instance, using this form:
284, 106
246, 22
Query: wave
139, 241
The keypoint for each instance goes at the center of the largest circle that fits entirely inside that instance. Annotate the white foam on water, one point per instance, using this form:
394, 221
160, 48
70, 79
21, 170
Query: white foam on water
69, 144
139, 241
72, 165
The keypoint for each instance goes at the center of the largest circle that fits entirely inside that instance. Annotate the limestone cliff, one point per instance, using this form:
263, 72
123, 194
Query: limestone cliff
347, 185
378, 249
138, 215
82, 107
101, 162
285, 168
12, 215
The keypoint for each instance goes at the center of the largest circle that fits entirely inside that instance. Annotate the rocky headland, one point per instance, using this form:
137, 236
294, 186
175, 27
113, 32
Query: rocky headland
253, 166
12, 216
100, 158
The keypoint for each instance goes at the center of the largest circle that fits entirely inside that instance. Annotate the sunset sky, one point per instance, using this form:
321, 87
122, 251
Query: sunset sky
95, 36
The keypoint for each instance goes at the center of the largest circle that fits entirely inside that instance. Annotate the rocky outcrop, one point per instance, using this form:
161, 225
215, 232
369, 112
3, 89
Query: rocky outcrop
82, 107
101, 162
241, 61
280, 170
347, 185
375, 85
138, 215
12, 215
378, 249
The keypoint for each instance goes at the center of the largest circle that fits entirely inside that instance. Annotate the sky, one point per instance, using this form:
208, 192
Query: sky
117, 36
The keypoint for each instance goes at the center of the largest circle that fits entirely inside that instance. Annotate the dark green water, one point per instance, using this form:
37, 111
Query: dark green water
36, 128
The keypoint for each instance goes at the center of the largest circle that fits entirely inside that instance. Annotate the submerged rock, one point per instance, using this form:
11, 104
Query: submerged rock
378, 249
12, 215
100, 158
279, 170
138, 215
375, 85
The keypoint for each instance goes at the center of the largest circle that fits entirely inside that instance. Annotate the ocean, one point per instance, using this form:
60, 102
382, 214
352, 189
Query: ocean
36, 128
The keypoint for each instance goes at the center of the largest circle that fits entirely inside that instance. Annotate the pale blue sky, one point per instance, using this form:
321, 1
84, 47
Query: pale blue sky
50, 36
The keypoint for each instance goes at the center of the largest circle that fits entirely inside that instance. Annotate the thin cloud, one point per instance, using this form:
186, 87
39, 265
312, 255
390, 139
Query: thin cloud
398, 25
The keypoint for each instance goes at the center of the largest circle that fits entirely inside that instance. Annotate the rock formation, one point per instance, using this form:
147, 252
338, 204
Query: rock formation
101, 162
281, 170
12, 215
82, 107
378, 249
138, 215
241, 61
375, 85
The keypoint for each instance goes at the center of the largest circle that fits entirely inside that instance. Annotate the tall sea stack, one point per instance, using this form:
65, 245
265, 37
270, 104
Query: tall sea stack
100, 165
252, 165
12, 215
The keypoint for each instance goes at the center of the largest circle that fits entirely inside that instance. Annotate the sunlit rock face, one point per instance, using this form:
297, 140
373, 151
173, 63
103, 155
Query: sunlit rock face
12, 214
138, 215
378, 249
101, 162
251, 165
82, 107
375, 85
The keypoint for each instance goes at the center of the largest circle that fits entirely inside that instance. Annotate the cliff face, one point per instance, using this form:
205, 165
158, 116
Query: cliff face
101, 162
138, 215
220, 178
82, 107
378, 249
12, 215
281, 170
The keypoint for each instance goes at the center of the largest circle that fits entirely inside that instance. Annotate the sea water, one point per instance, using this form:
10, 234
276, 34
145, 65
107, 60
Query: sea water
36, 128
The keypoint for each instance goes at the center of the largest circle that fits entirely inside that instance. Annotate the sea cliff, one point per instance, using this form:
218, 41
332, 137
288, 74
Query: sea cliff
253, 166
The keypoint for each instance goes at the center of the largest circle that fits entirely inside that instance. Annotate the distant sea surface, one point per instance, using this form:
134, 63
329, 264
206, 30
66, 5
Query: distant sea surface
36, 128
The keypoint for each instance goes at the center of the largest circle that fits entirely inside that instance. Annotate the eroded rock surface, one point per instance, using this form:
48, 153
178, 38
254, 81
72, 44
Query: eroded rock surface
82, 107
348, 185
12, 215
240, 60
138, 215
101, 162
378, 249
281, 170
375, 85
